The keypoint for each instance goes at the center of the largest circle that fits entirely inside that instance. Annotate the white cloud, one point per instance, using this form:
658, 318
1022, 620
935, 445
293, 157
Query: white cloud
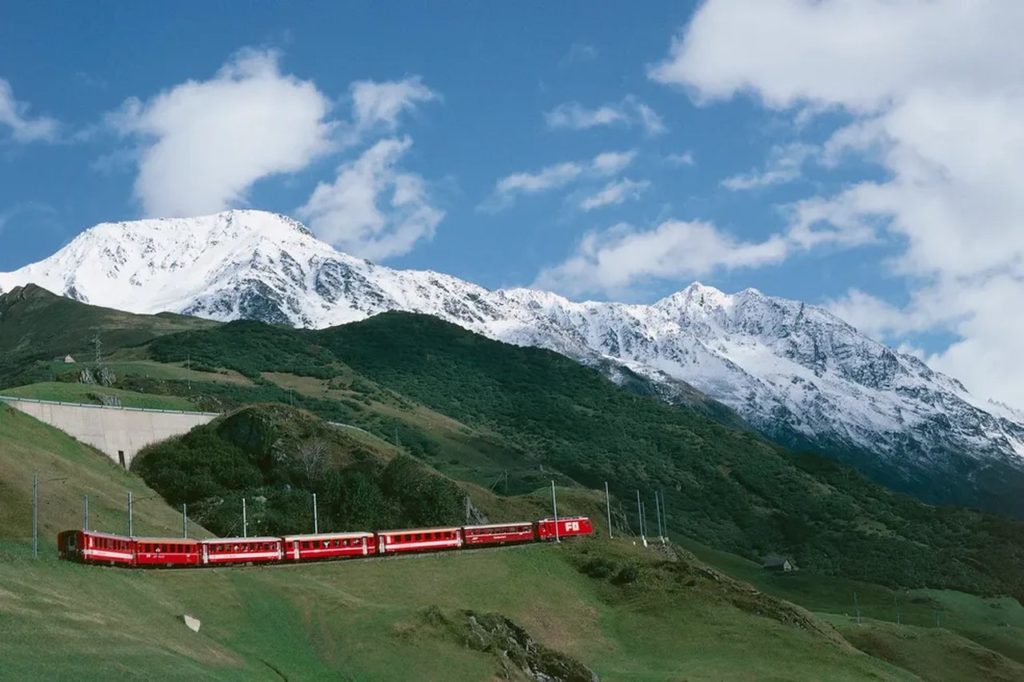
615, 192
204, 143
629, 112
785, 164
618, 259
24, 128
873, 316
577, 117
937, 100
555, 176
610, 163
579, 53
686, 158
547, 178
382, 103
373, 209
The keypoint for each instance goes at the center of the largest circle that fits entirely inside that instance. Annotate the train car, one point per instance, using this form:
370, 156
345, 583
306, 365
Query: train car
166, 552
550, 529
96, 548
418, 540
328, 546
497, 534
240, 551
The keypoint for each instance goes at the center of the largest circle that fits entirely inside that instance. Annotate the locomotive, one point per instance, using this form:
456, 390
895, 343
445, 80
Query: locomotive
93, 547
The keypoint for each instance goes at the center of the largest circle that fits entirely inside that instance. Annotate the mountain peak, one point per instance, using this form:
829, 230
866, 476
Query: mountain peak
696, 297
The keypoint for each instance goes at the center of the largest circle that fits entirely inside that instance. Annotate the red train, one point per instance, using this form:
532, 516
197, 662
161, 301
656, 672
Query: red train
114, 550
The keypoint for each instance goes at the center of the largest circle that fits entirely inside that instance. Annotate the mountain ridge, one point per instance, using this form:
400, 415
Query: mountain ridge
792, 370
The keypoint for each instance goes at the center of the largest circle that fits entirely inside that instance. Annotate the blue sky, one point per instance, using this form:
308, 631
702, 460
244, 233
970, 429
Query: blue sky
788, 145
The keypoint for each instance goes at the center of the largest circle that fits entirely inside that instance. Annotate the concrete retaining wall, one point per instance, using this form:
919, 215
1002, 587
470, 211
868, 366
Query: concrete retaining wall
120, 432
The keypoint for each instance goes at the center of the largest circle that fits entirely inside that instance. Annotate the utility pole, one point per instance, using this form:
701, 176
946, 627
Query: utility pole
856, 605
664, 514
896, 603
608, 506
184, 519
316, 521
130, 514
35, 515
188, 370
245, 521
85, 514
640, 517
554, 506
657, 515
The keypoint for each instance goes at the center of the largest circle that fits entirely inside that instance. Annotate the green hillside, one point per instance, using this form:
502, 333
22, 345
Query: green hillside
500, 422
37, 326
726, 488
630, 615
277, 457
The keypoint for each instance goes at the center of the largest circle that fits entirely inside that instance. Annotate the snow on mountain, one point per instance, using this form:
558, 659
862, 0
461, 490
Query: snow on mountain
794, 371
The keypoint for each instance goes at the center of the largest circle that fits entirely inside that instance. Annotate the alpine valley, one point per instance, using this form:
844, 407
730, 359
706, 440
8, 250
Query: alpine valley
791, 370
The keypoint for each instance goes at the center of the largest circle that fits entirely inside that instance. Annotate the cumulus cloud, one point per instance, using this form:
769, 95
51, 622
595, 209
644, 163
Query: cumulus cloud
615, 192
616, 260
373, 209
785, 164
204, 143
555, 176
936, 98
15, 116
627, 113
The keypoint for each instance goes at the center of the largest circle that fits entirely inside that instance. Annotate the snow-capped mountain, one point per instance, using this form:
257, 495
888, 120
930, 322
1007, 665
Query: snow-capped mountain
794, 371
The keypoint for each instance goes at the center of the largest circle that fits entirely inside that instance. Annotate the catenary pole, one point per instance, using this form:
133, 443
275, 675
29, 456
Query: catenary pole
608, 506
35, 515
316, 521
245, 521
640, 517
554, 507
130, 527
664, 514
657, 515
184, 519
85, 512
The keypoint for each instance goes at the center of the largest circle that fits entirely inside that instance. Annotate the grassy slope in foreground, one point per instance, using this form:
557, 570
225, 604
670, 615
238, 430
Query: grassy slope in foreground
354, 620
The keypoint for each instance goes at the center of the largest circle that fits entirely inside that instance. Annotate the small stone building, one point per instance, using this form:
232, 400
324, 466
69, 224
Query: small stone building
775, 562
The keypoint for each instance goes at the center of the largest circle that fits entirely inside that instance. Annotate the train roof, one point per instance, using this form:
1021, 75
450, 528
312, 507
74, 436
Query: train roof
566, 518
397, 531
329, 536
168, 541
216, 541
100, 534
502, 525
